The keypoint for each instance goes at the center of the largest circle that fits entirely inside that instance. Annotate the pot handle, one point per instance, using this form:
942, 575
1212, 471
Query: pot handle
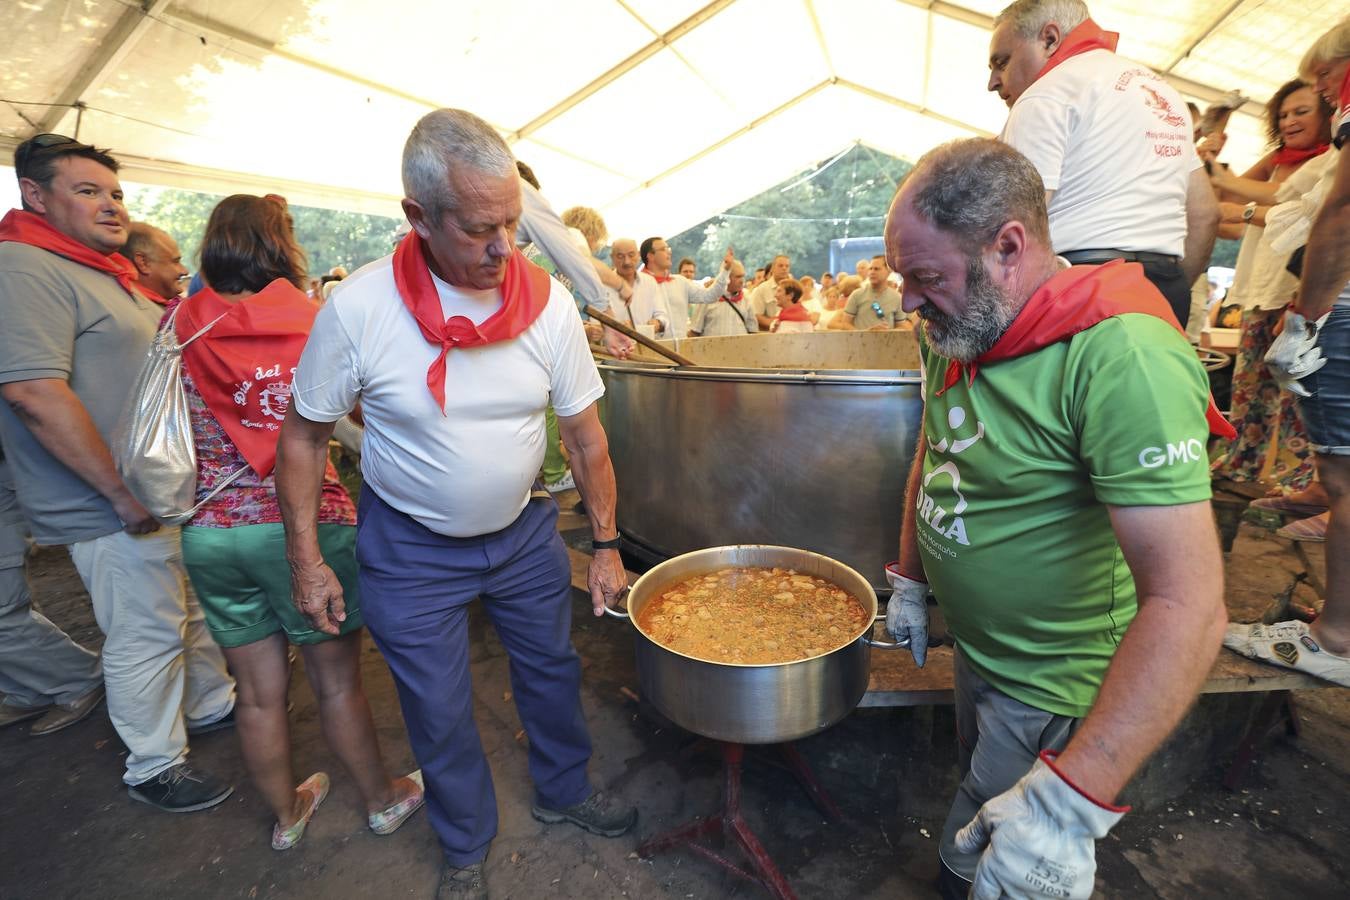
618, 614
885, 645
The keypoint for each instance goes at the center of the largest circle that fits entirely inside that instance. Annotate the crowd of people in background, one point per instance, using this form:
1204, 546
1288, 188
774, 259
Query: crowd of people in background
274, 361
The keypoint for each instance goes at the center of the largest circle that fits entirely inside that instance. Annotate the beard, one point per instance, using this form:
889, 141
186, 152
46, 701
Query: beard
988, 314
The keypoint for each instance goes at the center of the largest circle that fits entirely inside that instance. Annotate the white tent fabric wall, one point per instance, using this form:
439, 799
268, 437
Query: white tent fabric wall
658, 112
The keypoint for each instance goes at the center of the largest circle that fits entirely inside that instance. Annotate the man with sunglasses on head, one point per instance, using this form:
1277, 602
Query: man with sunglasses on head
77, 329
875, 306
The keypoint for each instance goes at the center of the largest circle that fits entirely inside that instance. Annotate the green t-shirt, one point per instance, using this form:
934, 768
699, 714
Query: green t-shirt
1019, 466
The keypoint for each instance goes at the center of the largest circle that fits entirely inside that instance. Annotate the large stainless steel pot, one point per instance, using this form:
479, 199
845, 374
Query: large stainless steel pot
753, 704
813, 456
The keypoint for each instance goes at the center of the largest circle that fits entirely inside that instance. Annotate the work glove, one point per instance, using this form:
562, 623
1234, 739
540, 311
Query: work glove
907, 612
1295, 354
1040, 835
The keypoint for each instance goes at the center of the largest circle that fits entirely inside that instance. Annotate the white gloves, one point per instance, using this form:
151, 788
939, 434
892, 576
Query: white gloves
1295, 353
1040, 835
907, 612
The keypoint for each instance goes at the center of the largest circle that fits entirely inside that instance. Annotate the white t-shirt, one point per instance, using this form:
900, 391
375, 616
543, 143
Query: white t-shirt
1113, 141
648, 303
468, 471
680, 292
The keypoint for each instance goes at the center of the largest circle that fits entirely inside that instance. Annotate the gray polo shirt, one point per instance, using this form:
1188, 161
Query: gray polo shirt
860, 302
64, 320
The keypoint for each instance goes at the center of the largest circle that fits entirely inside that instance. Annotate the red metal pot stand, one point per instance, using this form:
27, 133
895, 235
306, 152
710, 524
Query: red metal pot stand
732, 825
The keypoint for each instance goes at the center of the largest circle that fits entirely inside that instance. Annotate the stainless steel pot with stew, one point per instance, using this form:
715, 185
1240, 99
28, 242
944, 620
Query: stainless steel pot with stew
755, 703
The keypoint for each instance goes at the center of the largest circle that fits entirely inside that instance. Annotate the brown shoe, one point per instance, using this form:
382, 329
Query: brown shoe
66, 715
11, 714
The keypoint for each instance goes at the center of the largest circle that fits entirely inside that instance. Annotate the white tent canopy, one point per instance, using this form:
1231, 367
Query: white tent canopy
658, 112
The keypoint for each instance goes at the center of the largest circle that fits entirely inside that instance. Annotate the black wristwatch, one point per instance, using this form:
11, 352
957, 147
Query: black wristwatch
611, 544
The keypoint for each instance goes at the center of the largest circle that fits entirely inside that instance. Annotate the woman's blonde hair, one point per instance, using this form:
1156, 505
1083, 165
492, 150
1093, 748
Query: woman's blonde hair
589, 222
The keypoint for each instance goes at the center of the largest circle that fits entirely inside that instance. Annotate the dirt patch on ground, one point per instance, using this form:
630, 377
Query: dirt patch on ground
71, 831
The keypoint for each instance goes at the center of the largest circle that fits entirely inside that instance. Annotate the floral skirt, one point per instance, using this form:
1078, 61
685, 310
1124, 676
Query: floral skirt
1266, 417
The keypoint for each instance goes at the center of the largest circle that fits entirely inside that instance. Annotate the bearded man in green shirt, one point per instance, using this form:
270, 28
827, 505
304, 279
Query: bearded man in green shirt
1059, 507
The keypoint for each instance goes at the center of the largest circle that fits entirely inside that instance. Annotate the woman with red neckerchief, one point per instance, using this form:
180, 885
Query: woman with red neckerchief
1267, 421
237, 377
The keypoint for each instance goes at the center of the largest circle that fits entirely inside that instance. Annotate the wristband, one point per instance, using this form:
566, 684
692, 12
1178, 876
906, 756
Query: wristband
611, 544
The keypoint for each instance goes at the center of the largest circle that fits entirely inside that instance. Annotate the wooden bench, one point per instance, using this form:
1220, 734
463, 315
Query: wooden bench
896, 681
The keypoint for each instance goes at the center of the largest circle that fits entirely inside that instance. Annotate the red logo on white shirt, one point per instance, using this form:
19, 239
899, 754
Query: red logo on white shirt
1159, 106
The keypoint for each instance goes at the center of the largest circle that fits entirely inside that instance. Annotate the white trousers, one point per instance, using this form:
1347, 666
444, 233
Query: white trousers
159, 662
39, 663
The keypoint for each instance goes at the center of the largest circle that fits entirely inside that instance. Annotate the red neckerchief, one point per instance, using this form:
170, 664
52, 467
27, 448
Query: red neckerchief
151, 295
23, 227
525, 289
1287, 156
727, 298
1074, 300
1087, 36
243, 366
794, 313
660, 279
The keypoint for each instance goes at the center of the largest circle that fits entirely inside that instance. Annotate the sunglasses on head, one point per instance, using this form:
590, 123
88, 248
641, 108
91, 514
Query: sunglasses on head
39, 143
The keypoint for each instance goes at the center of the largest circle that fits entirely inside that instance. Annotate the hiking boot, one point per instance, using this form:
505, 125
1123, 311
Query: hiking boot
463, 883
597, 814
181, 789
66, 715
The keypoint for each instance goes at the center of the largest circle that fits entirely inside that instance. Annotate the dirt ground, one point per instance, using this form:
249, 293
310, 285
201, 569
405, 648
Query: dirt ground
69, 829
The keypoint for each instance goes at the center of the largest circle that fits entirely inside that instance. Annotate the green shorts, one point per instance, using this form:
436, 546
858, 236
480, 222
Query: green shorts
243, 581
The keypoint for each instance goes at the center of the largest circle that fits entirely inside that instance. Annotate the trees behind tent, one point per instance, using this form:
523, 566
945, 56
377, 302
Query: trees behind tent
329, 237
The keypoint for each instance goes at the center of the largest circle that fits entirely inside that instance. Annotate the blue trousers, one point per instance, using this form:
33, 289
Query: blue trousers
416, 587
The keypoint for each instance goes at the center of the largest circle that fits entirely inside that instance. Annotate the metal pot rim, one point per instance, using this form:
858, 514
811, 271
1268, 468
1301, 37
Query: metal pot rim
651, 580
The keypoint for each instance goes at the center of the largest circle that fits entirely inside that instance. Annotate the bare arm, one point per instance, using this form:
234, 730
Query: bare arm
1254, 184
697, 293
62, 425
911, 564
842, 321
588, 447
302, 456
1167, 651
1202, 224
1326, 261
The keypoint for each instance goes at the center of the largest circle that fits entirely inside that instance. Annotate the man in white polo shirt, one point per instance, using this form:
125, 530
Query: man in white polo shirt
453, 347
1112, 142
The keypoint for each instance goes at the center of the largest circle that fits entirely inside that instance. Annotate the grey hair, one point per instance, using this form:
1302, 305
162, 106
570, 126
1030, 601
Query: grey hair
1030, 16
141, 238
441, 140
971, 188
1333, 45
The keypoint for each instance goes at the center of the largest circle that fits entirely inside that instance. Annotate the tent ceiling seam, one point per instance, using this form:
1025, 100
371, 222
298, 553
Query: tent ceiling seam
618, 71
129, 28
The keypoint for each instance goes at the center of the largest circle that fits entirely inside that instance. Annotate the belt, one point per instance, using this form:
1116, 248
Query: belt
1089, 257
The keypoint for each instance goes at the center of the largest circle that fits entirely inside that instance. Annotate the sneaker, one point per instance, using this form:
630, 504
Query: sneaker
13, 714
387, 820
597, 814
316, 786
565, 483
225, 721
1288, 644
462, 883
64, 716
181, 789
